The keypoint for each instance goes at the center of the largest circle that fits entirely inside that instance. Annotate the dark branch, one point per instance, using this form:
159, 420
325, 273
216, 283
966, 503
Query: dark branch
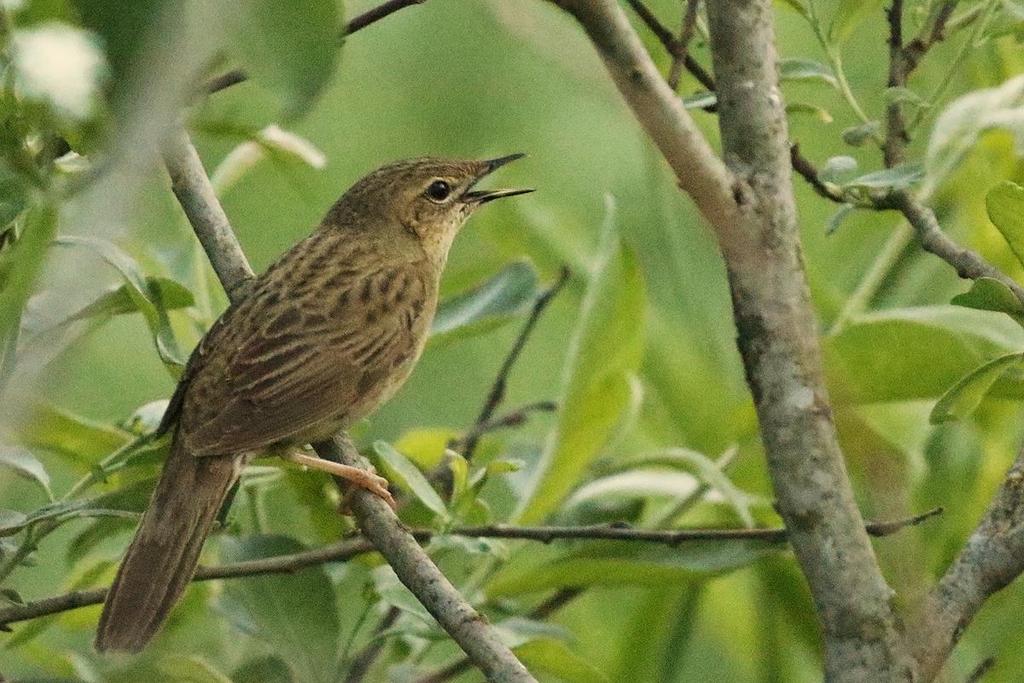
807, 170
686, 30
352, 547
980, 671
967, 263
235, 76
497, 393
676, 48
367, 656
896, 137
917, 48
515, 418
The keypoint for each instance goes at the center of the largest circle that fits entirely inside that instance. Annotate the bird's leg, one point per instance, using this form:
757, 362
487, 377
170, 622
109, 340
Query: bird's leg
371, 481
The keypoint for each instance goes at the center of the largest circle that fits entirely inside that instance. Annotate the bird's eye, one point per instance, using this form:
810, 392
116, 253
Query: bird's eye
439, 190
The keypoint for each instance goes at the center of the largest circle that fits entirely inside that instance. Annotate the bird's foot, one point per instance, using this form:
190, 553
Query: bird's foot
364, 479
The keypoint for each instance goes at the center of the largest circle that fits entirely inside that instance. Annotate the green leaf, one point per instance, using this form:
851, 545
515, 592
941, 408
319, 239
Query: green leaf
814, 110
895, 178
836, 168
914, 353
27, 465
1005, 203
705, 469
901, 95
23, 264
798, 6
964, 397
835, 221
263, 669
76, 438
394, 593
800, 69
400, 470
959, 127
149, 301
555, 658
60, 512
858, 135
295, 614
605, 352
146, 417
620, 563
511, 291
289, 47
426, 446
11, 521
119, 301
78, 579
849, 15
190, 669
635, 483
273, 143
700, 100
989, 294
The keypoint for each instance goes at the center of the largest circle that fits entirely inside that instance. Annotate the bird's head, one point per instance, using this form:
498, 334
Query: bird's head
427, 199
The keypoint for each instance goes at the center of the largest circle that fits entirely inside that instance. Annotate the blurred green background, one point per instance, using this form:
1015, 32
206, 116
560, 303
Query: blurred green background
482, 79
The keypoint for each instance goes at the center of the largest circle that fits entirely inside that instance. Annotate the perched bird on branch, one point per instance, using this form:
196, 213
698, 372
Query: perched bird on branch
317, 342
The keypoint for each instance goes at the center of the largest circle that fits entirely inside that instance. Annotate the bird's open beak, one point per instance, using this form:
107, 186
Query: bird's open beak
484, 196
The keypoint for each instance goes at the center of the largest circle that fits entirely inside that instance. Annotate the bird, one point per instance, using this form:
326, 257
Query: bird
320, 340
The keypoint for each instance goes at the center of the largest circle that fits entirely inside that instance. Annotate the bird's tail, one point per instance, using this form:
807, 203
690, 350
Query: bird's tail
163, 555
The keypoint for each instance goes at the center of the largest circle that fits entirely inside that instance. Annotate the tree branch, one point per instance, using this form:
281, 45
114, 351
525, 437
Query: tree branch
968, 264
778, 339
991, 559
545, 609
236, 76
896, 136
917, 48
750, 206
353, 547
686, 30
377, 521
497, 393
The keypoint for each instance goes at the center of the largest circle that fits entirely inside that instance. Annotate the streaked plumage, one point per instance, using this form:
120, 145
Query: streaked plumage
328, 333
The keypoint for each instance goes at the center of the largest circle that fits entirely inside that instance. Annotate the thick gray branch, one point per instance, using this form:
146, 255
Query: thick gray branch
992, 558
378, 522
750, 207
778, 338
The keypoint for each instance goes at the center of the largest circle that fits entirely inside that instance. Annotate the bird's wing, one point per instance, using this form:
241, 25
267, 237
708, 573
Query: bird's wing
309, 363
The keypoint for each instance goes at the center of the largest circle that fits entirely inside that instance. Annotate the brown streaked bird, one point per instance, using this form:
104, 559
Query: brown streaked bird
317, 342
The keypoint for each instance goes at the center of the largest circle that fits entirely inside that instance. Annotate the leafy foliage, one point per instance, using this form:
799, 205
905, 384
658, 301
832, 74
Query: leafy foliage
638, 350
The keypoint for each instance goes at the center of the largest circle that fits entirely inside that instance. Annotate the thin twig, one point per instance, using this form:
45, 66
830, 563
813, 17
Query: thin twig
497, 393
809, 172
362, 662
235, 76
980, 671
675, 47
968, 264
929, 36
352, 547
686, 30
514, 418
